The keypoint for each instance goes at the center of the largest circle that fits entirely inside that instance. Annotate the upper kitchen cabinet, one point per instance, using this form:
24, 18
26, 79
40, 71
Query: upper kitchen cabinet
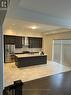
35, 42
23, 41
18, 42
9, 39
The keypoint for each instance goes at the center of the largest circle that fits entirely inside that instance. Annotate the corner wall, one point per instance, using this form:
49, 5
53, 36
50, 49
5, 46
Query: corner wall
1, 61
48, 42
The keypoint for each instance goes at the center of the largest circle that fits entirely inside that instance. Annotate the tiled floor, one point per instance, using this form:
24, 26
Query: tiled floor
12, 73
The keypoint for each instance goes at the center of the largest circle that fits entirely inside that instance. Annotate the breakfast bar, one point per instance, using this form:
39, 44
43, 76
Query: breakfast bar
24, 60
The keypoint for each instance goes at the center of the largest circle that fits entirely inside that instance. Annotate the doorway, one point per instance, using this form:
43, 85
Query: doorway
62, 52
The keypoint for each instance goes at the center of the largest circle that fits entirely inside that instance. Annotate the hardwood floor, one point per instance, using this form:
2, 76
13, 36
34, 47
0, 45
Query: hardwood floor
59, 84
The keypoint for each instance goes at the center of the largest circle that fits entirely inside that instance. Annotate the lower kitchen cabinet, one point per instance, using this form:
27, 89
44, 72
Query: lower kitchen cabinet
29, 60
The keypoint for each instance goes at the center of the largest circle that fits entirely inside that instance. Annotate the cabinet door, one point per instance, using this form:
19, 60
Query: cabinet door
39, 42
5, 39
18, 42
9, 39
23, 41
35, 42
12, 39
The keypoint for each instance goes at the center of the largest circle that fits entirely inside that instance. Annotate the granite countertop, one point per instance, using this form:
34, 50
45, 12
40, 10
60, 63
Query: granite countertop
28, 55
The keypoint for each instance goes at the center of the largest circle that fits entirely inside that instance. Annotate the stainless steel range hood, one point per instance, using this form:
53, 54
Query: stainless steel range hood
25, 41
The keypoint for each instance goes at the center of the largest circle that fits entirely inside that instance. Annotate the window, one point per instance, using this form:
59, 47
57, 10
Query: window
62, 52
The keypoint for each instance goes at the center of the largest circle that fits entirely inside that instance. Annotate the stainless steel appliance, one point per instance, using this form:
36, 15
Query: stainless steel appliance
9, 50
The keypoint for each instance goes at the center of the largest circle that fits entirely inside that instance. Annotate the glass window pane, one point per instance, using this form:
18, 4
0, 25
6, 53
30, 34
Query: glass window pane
66, 52
57, 51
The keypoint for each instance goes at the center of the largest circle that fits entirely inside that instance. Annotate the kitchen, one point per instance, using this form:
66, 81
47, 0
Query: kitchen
41, 35
26, 42
25, 45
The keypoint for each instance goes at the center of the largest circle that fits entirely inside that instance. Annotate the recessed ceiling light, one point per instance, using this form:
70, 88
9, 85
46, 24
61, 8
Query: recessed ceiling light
33, 27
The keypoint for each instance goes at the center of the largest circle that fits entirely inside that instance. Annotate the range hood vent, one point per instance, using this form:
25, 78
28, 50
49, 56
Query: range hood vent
25, 41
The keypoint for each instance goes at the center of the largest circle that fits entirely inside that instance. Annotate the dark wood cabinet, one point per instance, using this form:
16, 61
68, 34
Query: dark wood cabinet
16, 40
9, 39
19, 41
30, 60
35, 42
23, 41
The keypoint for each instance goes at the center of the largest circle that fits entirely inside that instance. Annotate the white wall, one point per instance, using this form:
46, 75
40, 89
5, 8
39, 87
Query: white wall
48, 40
22, 32
1, 61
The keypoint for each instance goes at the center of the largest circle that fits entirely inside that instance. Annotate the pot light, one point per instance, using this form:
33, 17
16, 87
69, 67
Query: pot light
34, 27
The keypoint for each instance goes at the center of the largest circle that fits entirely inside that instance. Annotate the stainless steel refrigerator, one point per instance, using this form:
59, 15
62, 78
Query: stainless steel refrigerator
8, 51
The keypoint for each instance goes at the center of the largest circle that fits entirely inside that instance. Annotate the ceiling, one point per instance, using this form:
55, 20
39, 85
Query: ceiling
47, 15
57, 8
25, 25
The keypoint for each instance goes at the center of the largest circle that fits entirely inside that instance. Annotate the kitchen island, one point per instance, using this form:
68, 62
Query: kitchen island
24, 60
